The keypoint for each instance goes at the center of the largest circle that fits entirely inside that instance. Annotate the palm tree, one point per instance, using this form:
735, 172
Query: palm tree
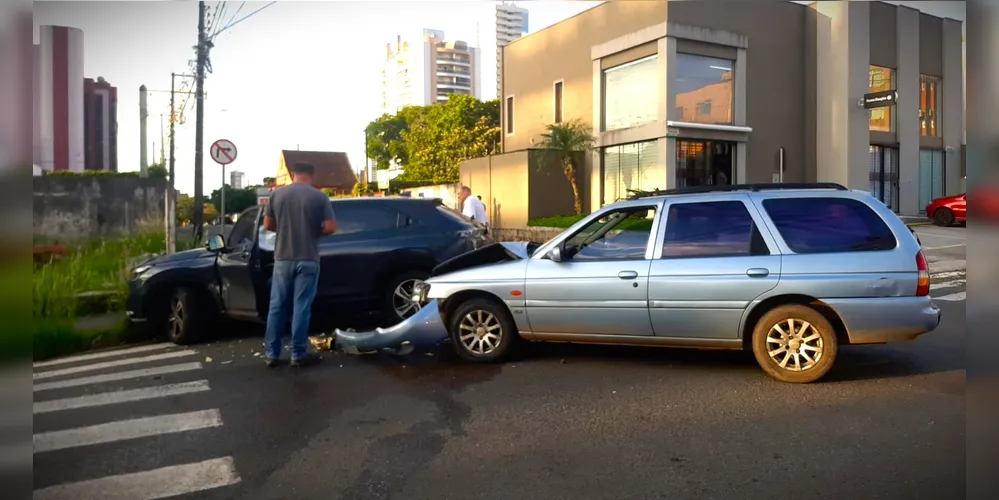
562, 144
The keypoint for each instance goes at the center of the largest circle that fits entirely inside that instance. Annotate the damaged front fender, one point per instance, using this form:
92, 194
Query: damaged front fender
422, 330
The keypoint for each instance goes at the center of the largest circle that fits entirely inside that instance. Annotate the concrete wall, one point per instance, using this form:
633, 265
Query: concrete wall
75, 207
448, 193
516, 187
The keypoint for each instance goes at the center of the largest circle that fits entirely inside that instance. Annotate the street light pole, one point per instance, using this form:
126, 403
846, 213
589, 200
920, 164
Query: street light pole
199, 131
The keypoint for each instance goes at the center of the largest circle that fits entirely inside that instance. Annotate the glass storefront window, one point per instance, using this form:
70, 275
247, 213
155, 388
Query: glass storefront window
704, 89
631, 93
928, 111
704, 163
628, 167
882, 79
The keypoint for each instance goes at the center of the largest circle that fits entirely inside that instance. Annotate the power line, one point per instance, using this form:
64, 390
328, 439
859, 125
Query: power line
234, 23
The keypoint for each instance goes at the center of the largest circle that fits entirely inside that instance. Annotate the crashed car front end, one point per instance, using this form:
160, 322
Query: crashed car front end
476, 270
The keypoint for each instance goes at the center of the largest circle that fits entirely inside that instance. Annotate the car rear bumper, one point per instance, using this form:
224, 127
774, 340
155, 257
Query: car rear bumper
886, 319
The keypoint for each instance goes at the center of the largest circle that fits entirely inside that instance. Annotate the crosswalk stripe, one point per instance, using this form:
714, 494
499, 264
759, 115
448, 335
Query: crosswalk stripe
954, 297
126, 429
946, 284
112, 377
103, 354
111, 364
147, 485
117, 397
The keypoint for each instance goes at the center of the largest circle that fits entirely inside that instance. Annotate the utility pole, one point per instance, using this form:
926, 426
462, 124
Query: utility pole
171, 209
143, 114
199, 131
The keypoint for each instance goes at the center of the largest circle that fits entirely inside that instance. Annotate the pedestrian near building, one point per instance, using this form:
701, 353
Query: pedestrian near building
300, 215
472, 207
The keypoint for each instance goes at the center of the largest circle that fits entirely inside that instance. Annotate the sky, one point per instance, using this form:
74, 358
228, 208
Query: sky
297, 74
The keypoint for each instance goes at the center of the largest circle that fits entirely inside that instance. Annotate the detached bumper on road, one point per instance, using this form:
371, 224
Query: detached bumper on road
423, 329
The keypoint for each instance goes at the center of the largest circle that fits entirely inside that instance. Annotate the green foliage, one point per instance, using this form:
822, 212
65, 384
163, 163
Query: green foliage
460, 129
236, 200
561, 146
91, 173
157, 171
430, 142
362, 188
384, 137
185, 209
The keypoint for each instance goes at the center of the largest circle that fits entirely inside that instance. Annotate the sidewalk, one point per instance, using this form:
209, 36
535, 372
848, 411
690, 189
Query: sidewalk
915, 220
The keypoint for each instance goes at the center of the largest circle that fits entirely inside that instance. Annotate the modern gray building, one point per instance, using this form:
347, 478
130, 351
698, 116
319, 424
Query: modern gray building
686, 93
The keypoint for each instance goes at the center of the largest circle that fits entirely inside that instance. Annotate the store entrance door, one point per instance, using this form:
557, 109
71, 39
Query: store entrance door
704, 163
883, 175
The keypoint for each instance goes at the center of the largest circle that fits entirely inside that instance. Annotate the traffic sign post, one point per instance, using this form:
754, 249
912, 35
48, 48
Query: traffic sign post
223, 151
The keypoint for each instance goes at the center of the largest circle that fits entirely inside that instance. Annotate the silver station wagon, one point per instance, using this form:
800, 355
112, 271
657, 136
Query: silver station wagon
790, 272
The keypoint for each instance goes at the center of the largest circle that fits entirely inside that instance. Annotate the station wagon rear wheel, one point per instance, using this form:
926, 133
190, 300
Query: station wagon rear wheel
482, 330
794, 343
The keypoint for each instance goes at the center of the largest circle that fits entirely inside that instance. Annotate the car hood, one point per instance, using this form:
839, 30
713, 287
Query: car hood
186, 255
489, 254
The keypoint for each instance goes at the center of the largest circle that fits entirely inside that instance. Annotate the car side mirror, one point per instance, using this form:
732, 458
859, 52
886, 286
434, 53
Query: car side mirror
216, 243
555, 254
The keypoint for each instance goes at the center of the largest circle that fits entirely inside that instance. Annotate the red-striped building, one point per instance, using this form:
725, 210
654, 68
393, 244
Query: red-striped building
59, 99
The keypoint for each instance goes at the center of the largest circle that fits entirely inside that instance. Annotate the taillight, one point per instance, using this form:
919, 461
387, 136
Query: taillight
923, 282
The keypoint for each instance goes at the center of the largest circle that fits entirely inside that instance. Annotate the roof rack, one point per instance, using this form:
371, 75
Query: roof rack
636, 194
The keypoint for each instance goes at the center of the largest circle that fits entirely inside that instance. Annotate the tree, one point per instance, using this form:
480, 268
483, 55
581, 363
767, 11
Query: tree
236, 200
383, 137
157, 171
185, 210
269, 181
445, 134
561, 146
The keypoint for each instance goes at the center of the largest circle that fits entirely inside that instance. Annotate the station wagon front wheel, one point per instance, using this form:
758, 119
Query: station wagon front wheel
795, 344
482, 330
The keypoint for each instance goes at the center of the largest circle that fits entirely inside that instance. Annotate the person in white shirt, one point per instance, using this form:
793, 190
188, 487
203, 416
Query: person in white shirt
485, 212
471, 207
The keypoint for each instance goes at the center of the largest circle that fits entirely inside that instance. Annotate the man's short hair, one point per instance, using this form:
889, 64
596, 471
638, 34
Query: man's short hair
303, 168
466, 189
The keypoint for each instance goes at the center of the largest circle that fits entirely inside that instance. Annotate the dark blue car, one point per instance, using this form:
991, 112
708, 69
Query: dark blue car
382, 249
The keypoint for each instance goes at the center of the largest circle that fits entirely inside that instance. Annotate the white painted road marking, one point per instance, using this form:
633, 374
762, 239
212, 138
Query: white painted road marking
111, 364
117, 397
944, 246
158, 483
954, 297
127, 429
949, 274
112, 377
103, 354
946, 284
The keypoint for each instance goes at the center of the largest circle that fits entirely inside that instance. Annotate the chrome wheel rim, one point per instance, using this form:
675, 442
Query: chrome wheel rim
795, 345
480, 332
402, 298
177, 314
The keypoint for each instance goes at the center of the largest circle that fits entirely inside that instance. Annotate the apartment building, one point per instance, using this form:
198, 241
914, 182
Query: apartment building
511, 24
100, 128
236, 179
698, 93
426, 69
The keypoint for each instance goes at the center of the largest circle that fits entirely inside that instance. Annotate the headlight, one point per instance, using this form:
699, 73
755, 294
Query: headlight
141, 269
420, 292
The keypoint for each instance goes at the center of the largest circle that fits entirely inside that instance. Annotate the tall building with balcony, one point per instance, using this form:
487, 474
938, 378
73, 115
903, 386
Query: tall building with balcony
426, 70
511, 24
236, 179
100, 128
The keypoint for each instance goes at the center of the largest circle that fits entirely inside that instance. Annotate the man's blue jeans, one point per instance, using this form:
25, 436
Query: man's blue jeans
293, 287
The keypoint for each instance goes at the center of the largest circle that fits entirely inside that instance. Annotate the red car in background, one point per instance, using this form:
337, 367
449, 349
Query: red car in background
948, 210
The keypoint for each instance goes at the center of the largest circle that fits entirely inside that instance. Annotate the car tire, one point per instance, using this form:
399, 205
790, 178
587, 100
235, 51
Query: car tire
790, 356
482, 331
394, 295
189, 317
943, 217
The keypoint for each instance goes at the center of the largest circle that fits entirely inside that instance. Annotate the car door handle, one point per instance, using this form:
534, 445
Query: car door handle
627, 275
757, 272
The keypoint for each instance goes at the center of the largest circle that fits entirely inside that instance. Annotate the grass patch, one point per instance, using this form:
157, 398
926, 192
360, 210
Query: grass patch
60, 299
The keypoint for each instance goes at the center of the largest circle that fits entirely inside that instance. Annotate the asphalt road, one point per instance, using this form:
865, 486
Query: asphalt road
560, 422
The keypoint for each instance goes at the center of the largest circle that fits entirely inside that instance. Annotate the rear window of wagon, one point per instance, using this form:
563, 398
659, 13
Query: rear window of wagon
829, 225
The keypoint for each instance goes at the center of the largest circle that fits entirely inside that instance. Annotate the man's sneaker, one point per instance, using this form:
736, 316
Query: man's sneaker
272, 362
309, 359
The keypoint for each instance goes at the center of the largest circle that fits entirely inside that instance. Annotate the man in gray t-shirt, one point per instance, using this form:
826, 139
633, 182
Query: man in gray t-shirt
300, 215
